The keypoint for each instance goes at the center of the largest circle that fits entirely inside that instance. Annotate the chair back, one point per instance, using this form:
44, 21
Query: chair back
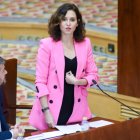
9, 91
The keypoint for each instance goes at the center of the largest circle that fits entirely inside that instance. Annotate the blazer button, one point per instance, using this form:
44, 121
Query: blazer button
56, 71
51, 101
55, 86
79, 100
37, 89
91, 85
83, 70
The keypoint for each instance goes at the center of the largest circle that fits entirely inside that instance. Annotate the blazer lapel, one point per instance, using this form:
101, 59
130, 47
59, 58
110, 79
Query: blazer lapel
59, 62
79, 55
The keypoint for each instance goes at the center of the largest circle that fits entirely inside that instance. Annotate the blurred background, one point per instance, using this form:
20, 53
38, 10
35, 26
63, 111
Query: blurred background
24, 22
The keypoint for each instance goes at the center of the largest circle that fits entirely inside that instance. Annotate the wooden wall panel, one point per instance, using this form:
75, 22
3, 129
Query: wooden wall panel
129, 47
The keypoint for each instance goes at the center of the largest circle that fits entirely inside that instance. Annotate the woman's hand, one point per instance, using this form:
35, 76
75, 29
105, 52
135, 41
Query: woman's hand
49, 119
70, 78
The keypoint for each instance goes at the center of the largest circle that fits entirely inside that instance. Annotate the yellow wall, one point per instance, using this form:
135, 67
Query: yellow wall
14, 30
104, 106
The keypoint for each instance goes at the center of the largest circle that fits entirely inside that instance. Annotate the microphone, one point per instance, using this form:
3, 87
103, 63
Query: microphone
138, 113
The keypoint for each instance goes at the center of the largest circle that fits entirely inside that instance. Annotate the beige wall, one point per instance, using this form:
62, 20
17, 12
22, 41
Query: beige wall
104, 106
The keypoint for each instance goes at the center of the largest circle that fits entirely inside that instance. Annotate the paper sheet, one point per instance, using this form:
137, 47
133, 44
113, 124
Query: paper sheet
52, 134
35, 137
99, 123
68, 129
45, 135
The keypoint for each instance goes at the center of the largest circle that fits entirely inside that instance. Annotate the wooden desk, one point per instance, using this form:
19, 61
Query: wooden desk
87, 135
127, 130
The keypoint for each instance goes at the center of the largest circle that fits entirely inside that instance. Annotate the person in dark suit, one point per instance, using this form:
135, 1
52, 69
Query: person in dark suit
5, 131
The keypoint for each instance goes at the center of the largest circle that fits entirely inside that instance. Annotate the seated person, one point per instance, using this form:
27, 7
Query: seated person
5, 131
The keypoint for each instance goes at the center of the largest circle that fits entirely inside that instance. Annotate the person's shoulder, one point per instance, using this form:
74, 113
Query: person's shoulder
87, 43
47, 40
87, 39
84, 42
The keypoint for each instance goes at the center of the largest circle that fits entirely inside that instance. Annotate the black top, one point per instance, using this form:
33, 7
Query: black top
68, 98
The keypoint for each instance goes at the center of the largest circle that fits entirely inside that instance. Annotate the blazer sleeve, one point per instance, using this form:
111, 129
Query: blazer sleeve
91, 71
42, 67
5, 135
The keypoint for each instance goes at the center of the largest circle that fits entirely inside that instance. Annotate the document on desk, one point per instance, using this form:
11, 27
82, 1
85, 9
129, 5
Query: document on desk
69, 129
52, 134
35, 137
45, 135
99, 123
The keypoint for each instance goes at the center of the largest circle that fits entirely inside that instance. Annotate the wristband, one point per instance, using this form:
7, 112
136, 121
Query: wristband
45, 109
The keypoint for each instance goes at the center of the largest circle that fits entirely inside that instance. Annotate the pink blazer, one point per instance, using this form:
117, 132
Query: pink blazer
50, 80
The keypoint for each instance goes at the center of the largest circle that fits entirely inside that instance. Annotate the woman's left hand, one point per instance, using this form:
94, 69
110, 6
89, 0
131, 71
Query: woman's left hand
70, 78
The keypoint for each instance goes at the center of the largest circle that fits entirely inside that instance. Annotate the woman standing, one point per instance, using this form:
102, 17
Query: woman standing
65, 68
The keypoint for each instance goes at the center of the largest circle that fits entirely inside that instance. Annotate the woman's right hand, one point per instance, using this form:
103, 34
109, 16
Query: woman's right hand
49, 119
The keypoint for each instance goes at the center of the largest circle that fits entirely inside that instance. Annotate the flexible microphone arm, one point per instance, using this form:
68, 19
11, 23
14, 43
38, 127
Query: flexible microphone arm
138, 113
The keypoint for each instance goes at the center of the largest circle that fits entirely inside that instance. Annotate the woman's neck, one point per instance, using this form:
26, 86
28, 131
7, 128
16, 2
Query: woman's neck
67, 41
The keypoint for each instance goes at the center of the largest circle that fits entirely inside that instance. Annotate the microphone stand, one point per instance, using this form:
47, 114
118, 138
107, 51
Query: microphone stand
138, 113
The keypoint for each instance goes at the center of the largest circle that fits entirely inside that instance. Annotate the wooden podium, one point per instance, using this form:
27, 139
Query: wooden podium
127, 130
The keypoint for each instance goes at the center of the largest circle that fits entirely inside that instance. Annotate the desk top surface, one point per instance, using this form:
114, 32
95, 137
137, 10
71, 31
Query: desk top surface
126, 130
74, 136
